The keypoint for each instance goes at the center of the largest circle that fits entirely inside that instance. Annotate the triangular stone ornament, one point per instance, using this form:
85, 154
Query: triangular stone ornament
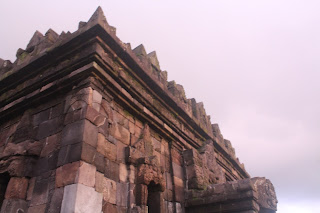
35, 40
144, 144
140, 51
98, 17
154, 59
51, 36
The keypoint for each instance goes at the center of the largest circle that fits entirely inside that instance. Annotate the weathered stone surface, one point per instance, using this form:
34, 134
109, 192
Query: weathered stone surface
49, 127
120, 133
86, 174
107, 187
40, 192
267, 198
109, 208
122, 194
17, 188
15, 205
52, 143
56, 201
90, 135
78, 198
66, 175
112, 170
96, 100
37, 209
77, 172
32, 182
109, 150
72, 133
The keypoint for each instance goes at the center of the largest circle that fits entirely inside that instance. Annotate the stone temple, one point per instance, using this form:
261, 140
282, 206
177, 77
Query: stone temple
88, 125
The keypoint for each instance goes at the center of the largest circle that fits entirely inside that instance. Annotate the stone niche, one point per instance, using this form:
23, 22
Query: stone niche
89, 125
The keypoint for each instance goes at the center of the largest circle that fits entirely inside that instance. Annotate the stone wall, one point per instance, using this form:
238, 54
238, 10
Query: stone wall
89, 125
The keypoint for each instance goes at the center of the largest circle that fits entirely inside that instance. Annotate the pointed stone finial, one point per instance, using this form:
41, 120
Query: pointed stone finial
140, 51
128, 46
81, 24
98, 17
35, 40
1, 62
113, 30
19, 52
5, 65
154, 59
51, 36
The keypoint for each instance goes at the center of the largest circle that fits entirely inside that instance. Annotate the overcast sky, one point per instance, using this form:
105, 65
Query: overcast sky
255, 65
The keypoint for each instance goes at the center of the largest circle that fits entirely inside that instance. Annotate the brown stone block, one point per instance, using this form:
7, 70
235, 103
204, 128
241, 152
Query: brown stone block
73, 133
49, 127
14, 205
28, 147
57, 110
194, 171
137, 131
32, 182
123, 172
94, 116
131, 127
106, 148
22, 134
162, 161
72, 153
167, 167
105, 128
178, 182
45, 164
51, 144
107, 187
122, 194
37, 209
189, 156
90, 134
133, 139
121, 153
177, 170
112, 170
176, 157
88, 153
132, 195
141, 194
164, 148
168, 178
179, 193
40, 192
132, 174
19, 166
67, 174
120, 133
96, 100
109, 208
56, 201
17, 188
99, 162
156, 142
86, 174
68, 118
168, 195
40, 117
